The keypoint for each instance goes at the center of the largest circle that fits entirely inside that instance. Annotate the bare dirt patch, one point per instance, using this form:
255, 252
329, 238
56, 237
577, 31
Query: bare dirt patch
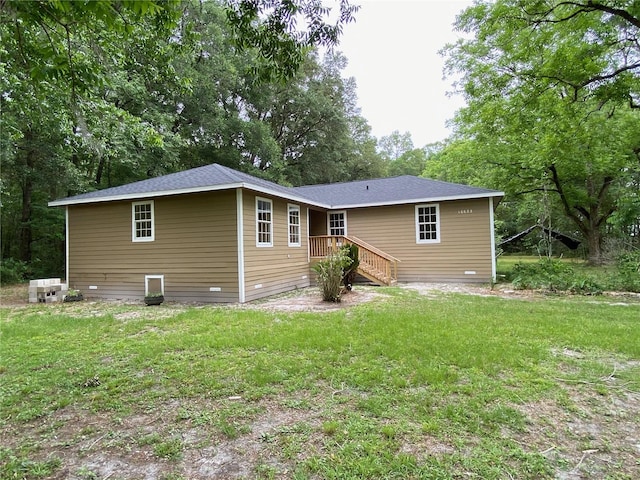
302, 300
591, 435
310, 300
93, 445
597, 435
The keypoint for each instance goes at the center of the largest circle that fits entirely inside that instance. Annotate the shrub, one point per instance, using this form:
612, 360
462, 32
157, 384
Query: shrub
13, 271
627, 276
330, 272
352, 252
553, 275
546, 274
585, 285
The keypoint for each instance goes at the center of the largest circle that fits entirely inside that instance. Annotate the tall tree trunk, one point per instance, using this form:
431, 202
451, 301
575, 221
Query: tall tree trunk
589, 219
99, 171
27, 194
594, 246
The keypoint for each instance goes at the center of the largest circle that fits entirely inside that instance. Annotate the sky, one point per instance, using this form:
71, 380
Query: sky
392, 48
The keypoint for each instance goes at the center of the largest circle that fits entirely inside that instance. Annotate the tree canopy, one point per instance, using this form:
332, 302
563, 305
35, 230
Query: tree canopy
97, 94
551, 89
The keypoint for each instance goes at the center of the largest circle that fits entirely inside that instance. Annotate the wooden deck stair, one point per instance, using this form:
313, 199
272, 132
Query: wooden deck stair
375, 265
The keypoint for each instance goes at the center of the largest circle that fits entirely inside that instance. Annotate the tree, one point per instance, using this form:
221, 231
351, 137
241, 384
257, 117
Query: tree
46, 36
365, 162
296, 132
56, 63
584, 49
393, 146
550, 89
412, 162
310, 120
97, 94
283, 31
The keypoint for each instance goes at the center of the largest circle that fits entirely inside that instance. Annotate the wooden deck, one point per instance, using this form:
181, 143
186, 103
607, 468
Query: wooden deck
375, 265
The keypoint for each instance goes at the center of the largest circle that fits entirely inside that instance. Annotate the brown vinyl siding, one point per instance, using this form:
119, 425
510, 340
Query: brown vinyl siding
279, 268
195, 248
465, 240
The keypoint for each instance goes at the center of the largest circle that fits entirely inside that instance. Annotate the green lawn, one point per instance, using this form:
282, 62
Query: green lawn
404, 387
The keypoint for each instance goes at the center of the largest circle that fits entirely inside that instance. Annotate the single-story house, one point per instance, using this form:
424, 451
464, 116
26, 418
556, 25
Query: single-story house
213, 234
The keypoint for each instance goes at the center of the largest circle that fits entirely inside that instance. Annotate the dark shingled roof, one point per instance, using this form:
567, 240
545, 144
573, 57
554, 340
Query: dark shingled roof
383, 191
389, 191
200, 179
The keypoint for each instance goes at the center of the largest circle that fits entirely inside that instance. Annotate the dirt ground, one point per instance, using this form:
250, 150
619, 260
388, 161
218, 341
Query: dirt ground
598, 436
309, 299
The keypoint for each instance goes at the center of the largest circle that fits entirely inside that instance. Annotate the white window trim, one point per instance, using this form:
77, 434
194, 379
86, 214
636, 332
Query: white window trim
150, 277
329, 213
438, 233
258, 242
291, 207
133, 222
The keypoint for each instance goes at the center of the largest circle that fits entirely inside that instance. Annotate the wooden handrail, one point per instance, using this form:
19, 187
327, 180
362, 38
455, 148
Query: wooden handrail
375, 250
374, 263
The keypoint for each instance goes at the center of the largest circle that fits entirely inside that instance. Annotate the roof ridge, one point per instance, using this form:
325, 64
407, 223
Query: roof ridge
357, 181
213, 176
229, 172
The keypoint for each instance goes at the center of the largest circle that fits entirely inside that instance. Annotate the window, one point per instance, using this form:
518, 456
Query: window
427, 224
142, 221
294, 225
264, 222
338, 223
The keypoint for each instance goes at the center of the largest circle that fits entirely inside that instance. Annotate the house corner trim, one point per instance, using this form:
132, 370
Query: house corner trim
240, 239
66, 244
493, 240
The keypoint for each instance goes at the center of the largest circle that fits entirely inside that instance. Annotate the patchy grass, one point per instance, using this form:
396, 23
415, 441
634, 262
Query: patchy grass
407, 386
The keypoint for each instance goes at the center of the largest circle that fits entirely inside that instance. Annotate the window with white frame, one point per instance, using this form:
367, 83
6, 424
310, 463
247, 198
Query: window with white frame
427, 224
264, 222
142, 221
338, 223
294, 225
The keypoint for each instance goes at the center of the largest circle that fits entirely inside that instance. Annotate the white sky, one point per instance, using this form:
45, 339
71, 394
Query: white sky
392, 49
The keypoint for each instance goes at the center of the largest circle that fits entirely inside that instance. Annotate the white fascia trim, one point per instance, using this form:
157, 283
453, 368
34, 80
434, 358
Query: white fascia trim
291, 198
471, 196
164, 193
139, 196
240, 233
267, 191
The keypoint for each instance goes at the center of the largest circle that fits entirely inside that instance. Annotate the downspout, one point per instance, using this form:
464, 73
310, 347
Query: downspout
240, 239
493, 240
